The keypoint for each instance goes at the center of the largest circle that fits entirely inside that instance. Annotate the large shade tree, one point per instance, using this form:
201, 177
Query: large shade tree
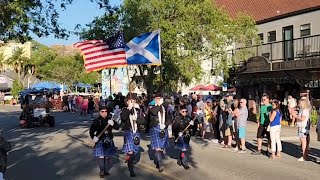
20, 18
191, 31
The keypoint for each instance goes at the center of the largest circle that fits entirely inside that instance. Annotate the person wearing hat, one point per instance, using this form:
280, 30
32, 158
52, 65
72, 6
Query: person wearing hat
181, 129
104, 145
159, 121
131, 119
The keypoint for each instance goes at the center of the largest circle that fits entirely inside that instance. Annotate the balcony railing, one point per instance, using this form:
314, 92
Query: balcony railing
295, 49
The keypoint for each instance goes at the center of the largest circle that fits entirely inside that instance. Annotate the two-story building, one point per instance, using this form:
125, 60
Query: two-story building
287, 59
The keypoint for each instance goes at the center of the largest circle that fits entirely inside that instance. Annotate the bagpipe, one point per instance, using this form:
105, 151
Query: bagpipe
106, 141
186, 137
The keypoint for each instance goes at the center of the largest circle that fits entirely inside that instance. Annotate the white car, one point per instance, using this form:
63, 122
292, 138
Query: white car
8, 96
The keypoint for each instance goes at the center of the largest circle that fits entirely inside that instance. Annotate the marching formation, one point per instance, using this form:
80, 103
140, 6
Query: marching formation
132, 121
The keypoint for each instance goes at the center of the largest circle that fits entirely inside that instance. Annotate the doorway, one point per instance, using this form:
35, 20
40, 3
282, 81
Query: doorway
288, 49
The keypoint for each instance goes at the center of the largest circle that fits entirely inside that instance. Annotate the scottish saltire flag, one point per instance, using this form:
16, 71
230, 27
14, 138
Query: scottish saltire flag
144, 49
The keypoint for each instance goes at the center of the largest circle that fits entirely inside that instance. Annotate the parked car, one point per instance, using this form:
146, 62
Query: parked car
8, 96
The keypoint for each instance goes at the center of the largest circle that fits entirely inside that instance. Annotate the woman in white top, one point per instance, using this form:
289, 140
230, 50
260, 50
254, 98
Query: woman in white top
292, 103
303, 123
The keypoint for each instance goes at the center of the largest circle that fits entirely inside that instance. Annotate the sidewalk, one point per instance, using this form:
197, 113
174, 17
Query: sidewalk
287, 132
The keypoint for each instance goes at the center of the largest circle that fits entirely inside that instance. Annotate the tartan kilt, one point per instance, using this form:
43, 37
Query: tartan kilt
181, 144
128, 144
99, 150
156, 141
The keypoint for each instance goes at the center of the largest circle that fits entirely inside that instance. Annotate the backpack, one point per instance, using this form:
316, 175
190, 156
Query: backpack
5, 146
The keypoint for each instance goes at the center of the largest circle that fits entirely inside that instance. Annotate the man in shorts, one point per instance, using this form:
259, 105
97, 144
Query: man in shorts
263, 124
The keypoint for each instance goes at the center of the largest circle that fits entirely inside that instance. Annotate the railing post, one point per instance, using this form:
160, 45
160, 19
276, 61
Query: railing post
257, 50
303, 50
271, 58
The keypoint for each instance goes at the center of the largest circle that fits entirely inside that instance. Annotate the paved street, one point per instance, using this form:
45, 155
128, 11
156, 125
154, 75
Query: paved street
62, 153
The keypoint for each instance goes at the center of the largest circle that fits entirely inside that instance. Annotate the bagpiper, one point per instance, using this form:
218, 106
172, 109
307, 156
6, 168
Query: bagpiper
181, 127
101, 134
158, 124
131, 118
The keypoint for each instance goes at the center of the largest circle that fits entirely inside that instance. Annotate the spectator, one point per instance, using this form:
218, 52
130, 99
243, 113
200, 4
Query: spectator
275, 129
241, 124
303, 123
292, 104
263, 124
91, 107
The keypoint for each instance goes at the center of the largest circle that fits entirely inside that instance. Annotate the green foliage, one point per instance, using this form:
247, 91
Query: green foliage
314, 116
17, 87
20, 63
20, 18
2, 62
191, 31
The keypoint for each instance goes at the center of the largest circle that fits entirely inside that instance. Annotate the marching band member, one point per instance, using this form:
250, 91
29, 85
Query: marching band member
158, 130
181, 129
104, 145
131, 140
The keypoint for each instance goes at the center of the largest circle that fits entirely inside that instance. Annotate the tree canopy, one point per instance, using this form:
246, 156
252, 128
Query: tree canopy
20, 18
191, 31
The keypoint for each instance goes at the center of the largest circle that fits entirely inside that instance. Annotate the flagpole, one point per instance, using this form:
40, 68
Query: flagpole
110, 72
128, 81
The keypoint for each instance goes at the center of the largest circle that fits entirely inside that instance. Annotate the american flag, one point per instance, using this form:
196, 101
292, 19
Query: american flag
102, 54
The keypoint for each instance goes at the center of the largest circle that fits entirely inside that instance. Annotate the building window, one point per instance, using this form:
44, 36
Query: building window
272, 36
261, 37
305, 30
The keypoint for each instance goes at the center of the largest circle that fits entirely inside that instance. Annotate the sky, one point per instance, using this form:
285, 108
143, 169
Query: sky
79, 12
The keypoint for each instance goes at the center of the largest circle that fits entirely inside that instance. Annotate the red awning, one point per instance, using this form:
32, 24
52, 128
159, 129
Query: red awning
198, 87
212, 87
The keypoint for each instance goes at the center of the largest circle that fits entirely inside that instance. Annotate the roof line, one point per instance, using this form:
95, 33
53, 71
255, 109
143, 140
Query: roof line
294, 13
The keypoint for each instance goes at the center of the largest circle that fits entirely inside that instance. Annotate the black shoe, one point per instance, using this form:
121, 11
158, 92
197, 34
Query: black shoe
132, 174
161, 168
101, 174
179, 162
186, 167
106, 173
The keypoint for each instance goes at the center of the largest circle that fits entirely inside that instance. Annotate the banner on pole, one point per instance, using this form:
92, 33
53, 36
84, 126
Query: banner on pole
119, 82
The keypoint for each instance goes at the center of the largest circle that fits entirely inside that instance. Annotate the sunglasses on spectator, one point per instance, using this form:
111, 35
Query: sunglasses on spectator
184, 111
103, 111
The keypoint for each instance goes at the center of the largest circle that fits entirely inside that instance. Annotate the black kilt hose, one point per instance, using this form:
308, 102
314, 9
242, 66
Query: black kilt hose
128, 144
100, 150
156, 141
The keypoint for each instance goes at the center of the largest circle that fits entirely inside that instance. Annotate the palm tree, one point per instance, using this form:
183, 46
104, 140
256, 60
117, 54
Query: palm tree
18, 61
2, 62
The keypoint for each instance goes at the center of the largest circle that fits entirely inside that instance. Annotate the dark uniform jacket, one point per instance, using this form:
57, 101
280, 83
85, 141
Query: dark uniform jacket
180, 123
5, 147
99, 124
154, 119
125, 119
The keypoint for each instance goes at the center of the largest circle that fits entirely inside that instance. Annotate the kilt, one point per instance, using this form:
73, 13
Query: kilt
181, 144
99, 150
156, 141
128, 144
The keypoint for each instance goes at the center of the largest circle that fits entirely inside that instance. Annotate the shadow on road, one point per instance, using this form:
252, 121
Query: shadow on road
54, 153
